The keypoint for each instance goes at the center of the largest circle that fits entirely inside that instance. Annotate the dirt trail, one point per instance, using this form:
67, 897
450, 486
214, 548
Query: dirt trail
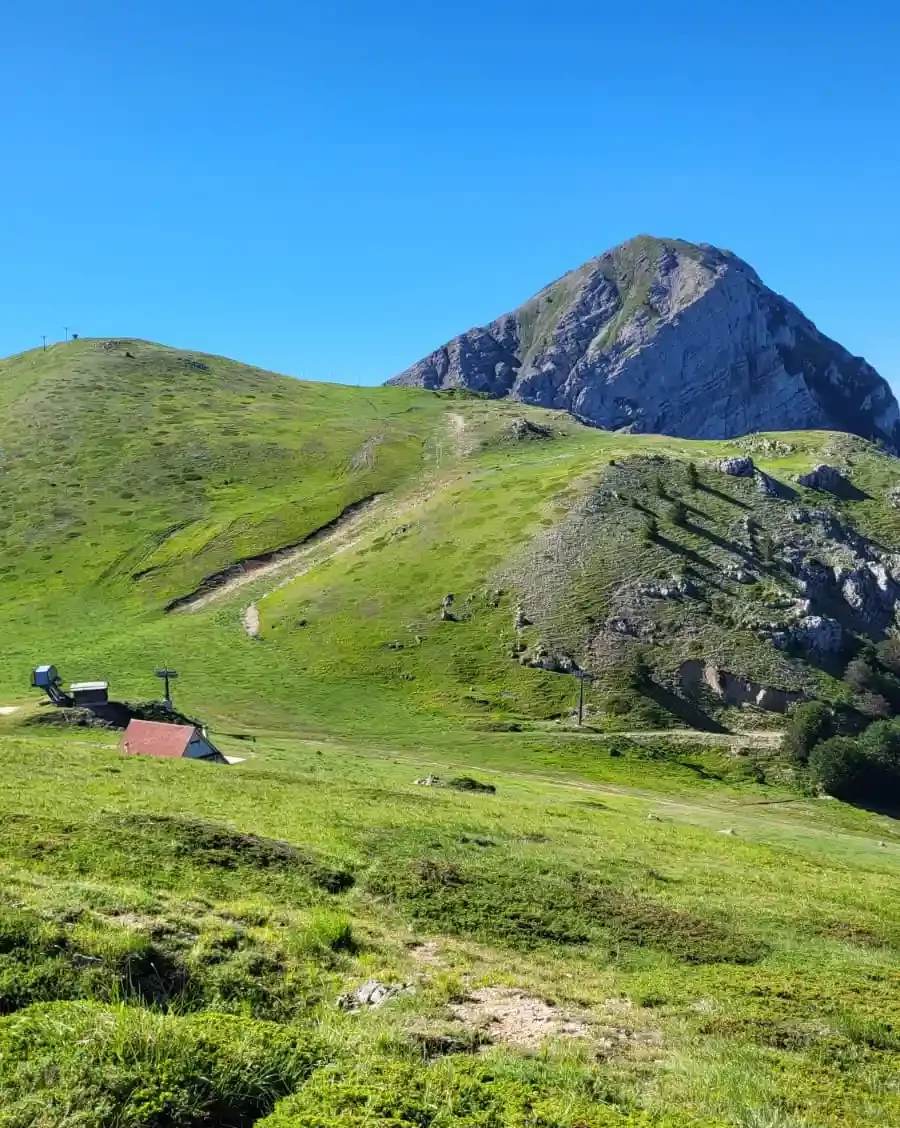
341, 536
759, 738
337, 534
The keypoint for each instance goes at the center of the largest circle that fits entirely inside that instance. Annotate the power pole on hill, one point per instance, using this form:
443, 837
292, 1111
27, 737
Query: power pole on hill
66, 331
582, 676
166, 674
44, 340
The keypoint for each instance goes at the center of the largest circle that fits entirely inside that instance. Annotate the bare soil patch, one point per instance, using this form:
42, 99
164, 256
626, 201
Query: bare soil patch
428, 953
509, 1015
250, 619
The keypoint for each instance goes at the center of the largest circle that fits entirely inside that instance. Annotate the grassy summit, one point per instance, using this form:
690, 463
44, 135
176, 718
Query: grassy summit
654, 933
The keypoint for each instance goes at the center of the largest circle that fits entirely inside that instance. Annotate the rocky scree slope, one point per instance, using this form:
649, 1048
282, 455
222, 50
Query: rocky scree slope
741, 588
668, 337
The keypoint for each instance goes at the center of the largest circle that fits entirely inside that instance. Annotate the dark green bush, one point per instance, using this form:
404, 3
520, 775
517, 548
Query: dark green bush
841, 767
467, 783
679, 514
810, 724
881, 742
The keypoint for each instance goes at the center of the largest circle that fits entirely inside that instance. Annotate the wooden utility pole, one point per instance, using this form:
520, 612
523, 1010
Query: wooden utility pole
167, 674
582, 676
44, 340
66, 330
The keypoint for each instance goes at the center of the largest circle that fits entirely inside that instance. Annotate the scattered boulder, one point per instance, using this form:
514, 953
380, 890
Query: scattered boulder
521, 620
727, 830
766, 486
762, 445
894, 496
447, 615
521, 430
813, 578
540, 658
739, 467
676, 587
431, 781
826, 478
374, 994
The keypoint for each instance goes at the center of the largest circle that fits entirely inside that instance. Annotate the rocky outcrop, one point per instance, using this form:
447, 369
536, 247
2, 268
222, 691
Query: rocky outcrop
815, 635
676, 587
665, 336
523, 430
741, 467
731, 689
826, 478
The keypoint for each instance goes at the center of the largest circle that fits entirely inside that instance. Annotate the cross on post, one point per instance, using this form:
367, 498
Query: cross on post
167, 675
582, 676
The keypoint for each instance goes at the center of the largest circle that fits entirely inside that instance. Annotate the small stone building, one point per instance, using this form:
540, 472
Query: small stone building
153, 738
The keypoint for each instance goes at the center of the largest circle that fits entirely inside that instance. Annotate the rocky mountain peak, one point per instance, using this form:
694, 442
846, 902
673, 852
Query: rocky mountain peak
660, 335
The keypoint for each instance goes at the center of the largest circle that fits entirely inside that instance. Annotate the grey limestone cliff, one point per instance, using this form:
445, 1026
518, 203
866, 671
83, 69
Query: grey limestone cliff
670, 337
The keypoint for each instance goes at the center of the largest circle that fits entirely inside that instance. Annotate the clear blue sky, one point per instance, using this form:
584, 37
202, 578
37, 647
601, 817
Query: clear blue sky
332, 190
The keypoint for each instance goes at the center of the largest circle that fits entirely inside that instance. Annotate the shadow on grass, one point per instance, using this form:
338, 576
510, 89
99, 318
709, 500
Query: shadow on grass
695, 558
844, 490
722, 496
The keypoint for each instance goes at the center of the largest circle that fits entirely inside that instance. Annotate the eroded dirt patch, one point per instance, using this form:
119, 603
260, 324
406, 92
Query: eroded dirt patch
509, 1015
428, 954
249, 568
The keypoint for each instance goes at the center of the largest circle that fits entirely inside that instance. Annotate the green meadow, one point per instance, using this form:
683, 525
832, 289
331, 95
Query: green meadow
590, 929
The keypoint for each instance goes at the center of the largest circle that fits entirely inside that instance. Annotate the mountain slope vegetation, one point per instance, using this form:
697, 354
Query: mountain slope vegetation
376, 599
446, 555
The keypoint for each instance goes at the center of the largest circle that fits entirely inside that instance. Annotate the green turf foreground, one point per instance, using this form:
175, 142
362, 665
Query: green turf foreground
174, 938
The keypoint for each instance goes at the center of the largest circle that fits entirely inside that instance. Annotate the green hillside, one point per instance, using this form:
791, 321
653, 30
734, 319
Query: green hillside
137, 481
634, 925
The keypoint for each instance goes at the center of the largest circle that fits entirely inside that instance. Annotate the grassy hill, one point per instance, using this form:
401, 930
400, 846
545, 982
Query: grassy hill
137, 479
583, 930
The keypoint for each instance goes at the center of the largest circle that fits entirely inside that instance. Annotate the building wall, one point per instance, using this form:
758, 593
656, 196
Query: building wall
199, 748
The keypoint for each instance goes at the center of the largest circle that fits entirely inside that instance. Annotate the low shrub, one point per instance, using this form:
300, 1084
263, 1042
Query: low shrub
80, 1065
457, 1092
185, 853
506, 901
467, 783
42, 959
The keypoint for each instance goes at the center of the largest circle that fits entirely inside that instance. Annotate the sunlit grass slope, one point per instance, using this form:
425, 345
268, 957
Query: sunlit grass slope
174, 938
131, 473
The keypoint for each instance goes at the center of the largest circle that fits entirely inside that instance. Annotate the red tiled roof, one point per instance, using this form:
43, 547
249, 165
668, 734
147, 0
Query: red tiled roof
153, 738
